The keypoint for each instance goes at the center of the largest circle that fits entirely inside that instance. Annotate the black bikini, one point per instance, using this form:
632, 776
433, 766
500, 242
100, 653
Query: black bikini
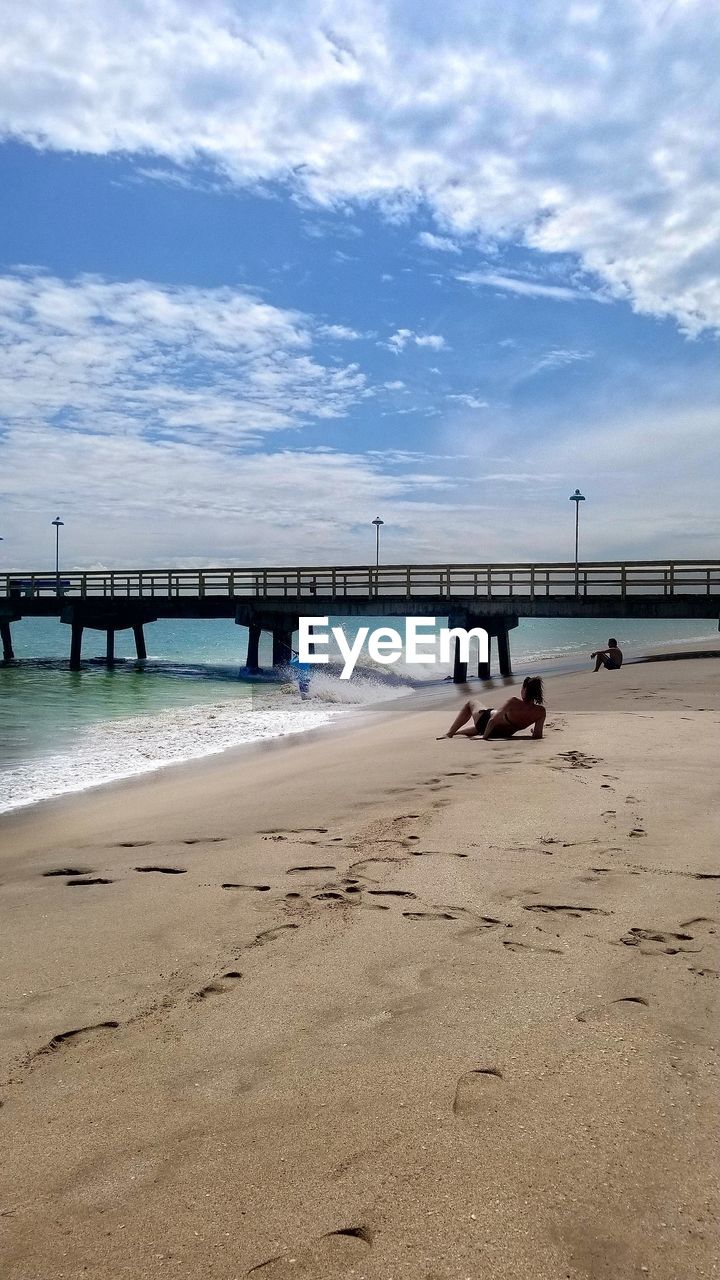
505, 730
481, 723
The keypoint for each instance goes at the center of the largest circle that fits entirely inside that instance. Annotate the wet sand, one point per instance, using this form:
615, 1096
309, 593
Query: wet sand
372, 1005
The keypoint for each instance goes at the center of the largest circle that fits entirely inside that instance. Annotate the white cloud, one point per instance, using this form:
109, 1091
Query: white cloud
399, 340
582, 129
470, 402
186, 180
141, 501
397, 385
557, 358
527, 288
339, 333
433, 340
442, 243
138, 358
648, 471
127, 499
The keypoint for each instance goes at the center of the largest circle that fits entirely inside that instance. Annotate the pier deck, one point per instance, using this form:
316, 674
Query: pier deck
493, 596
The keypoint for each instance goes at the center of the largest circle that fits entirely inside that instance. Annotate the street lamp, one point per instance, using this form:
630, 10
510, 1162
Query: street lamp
58, 523
377, 522
577, 497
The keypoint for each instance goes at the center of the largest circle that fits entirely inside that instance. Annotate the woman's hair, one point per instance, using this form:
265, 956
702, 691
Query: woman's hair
533, 689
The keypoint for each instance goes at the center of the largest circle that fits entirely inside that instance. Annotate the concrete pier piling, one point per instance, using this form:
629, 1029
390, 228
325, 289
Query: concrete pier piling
76, 635
111, 617
497, 628
6, 637
282, 638
139, 634
252, 660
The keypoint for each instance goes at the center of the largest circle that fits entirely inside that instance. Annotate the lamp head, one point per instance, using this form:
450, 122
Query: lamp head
577, 496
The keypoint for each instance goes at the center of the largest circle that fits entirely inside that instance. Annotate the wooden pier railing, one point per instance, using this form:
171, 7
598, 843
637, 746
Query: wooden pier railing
659, 578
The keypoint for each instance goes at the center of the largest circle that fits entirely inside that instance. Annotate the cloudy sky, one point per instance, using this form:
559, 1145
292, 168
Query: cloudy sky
270, 269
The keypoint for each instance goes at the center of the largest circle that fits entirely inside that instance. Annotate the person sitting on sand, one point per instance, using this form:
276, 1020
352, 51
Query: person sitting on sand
611, 658
514, 716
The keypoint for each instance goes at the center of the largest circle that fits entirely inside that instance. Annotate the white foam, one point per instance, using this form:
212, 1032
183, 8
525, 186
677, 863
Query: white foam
134, 745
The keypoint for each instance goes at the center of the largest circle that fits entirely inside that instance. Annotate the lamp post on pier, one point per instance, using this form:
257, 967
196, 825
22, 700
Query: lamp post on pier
377, 522
58, 523
577, 497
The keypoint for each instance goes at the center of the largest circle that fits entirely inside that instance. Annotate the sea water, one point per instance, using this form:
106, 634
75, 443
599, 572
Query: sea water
63, 731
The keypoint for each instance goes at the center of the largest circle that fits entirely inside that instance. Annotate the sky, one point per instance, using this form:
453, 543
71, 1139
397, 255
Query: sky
269, 270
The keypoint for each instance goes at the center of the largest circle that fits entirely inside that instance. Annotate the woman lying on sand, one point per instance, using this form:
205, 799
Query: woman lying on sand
515, 715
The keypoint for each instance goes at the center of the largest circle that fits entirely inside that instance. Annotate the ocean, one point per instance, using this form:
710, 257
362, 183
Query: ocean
63, 731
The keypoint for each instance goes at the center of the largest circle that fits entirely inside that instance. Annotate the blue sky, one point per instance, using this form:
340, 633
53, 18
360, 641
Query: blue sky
268, 271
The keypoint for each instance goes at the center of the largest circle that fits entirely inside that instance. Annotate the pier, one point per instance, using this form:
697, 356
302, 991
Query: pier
492, 596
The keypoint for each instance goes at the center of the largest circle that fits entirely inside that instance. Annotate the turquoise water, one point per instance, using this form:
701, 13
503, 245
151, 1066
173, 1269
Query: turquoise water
64, 731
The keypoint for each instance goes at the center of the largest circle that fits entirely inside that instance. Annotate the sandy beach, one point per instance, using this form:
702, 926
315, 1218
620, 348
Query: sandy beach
366, 1004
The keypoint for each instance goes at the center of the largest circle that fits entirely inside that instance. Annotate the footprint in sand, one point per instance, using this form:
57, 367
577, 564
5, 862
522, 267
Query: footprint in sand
474, 1091
292, 871
331, 1255
368, 868
479, 924
437, 853
574, 760
391, 893
165, 871
428, 915
218, 986
621, 1005
258, 888
67, 1037
69, 871
553, 908
284, 832
515, 945
269, 935
90, 880
652, 942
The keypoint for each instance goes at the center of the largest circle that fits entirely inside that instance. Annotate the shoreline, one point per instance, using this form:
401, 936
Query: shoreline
337, 713
458, 1035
